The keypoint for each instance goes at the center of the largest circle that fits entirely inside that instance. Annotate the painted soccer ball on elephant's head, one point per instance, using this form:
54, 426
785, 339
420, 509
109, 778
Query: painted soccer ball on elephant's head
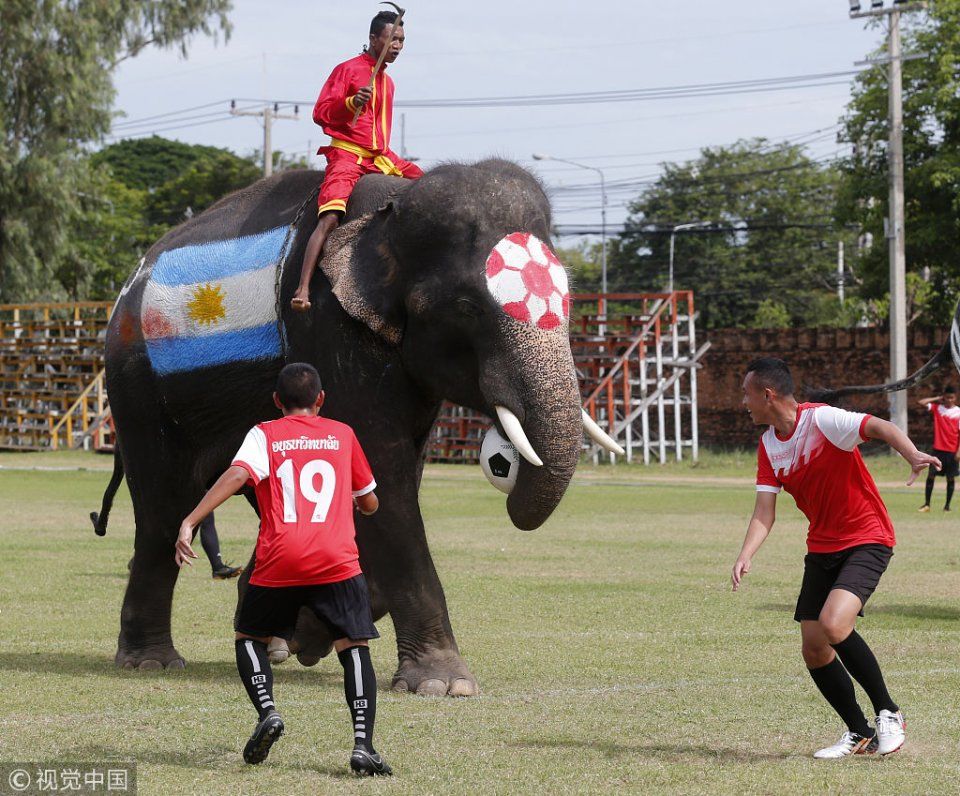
528, 281
499, 460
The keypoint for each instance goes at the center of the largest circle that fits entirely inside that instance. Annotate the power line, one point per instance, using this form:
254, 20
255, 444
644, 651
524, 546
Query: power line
692, 90
128, 122
152, 131
668, 92
619, 121
607, 45
662, 228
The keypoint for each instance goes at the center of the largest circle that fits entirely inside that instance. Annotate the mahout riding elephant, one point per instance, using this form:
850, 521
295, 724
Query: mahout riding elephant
443, 288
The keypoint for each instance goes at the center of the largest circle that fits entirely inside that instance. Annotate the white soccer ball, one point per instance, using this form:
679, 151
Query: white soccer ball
499, 460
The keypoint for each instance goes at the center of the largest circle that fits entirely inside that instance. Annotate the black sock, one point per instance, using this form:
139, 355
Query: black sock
950, 485
210, 541
862, 664
360, 688
254, 667
837, 688
929, 491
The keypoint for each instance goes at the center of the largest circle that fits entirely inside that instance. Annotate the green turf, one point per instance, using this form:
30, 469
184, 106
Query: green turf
611, 654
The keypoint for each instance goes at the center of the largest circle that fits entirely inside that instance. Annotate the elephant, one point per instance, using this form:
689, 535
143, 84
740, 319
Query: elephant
446, 288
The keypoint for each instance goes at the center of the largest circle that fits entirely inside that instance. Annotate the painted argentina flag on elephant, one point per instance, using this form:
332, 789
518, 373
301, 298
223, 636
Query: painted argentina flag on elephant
213, 303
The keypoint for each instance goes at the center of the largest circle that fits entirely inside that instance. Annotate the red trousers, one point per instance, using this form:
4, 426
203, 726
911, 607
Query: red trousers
345, 168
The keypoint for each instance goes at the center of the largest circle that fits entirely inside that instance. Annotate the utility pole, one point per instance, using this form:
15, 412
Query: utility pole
840, 271
895, 222
403, 140
269, 115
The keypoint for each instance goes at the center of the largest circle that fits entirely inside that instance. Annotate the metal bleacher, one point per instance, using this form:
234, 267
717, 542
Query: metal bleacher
636, 357
51, 376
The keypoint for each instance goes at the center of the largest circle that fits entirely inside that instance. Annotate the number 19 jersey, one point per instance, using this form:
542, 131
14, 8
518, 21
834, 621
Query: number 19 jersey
306, 470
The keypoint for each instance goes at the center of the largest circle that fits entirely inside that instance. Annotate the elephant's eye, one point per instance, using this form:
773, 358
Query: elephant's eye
469, 307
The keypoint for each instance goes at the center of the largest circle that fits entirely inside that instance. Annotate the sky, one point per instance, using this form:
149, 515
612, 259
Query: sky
283, 50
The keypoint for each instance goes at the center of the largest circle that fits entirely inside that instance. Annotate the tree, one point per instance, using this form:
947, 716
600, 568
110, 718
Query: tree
56, 64
147, 163
140, 189
771, 314
202, 184
931, 138
108, 237
584, 263
770, 233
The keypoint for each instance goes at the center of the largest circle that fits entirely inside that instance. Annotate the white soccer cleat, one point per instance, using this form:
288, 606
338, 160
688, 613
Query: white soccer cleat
890, 732
849, 744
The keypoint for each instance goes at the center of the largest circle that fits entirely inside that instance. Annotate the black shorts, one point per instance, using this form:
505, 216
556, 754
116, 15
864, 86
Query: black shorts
856, 570
344, 607
949, 463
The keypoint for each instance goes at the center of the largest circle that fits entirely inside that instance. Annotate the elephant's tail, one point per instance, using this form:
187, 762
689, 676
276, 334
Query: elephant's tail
950, 350
99, 519
941, 358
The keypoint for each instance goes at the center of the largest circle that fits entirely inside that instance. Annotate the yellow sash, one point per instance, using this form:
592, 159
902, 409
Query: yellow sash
382, 162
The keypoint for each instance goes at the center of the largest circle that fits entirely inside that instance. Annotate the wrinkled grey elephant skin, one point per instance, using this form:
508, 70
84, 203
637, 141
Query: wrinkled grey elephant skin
402, 318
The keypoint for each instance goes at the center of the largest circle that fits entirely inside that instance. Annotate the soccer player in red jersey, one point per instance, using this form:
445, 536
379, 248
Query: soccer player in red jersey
356, 148
810, 450
307, 472
946, 442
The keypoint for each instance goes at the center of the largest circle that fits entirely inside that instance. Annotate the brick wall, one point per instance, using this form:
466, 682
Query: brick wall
817, 358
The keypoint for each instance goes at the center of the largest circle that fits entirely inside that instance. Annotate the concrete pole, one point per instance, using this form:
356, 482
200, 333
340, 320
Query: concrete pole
840, 271
673, 235
603, 234
269, 116
267, 141
898, 285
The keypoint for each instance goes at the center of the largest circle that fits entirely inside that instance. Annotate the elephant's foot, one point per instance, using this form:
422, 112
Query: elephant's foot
277, 650
437, 673
149, 658
312, 640
309, 654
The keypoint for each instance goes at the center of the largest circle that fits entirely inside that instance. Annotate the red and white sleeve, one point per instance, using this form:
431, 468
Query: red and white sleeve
767, 480
843, 429
253, 456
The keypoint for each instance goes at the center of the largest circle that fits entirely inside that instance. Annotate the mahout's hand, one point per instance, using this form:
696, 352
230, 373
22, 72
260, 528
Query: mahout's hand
363, 96
920, 462
184, 550
741, 568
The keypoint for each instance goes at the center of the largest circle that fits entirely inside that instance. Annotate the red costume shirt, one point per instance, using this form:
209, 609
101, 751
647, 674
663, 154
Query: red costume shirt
335, 108
946, 427
821, 467
361, 148
306, 470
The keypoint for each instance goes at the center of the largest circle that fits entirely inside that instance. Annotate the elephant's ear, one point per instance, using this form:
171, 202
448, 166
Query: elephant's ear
364, 274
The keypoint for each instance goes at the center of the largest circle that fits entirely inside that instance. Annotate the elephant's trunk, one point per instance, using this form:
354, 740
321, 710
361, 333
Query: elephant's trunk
538, 384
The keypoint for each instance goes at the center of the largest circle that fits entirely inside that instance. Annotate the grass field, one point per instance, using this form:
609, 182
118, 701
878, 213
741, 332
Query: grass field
611, 653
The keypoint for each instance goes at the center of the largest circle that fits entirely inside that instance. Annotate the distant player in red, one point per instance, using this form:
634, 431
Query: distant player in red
307, 472
810, 450
946, 442
356, 148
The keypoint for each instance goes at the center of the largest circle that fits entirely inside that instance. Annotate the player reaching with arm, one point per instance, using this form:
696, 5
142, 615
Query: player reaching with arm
810, 450
307, 471
946, 442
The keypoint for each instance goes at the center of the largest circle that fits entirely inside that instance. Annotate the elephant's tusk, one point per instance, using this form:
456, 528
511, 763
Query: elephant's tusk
600, 436
514, 431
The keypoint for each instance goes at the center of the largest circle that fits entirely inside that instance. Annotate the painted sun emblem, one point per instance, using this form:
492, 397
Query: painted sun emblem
206, 306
